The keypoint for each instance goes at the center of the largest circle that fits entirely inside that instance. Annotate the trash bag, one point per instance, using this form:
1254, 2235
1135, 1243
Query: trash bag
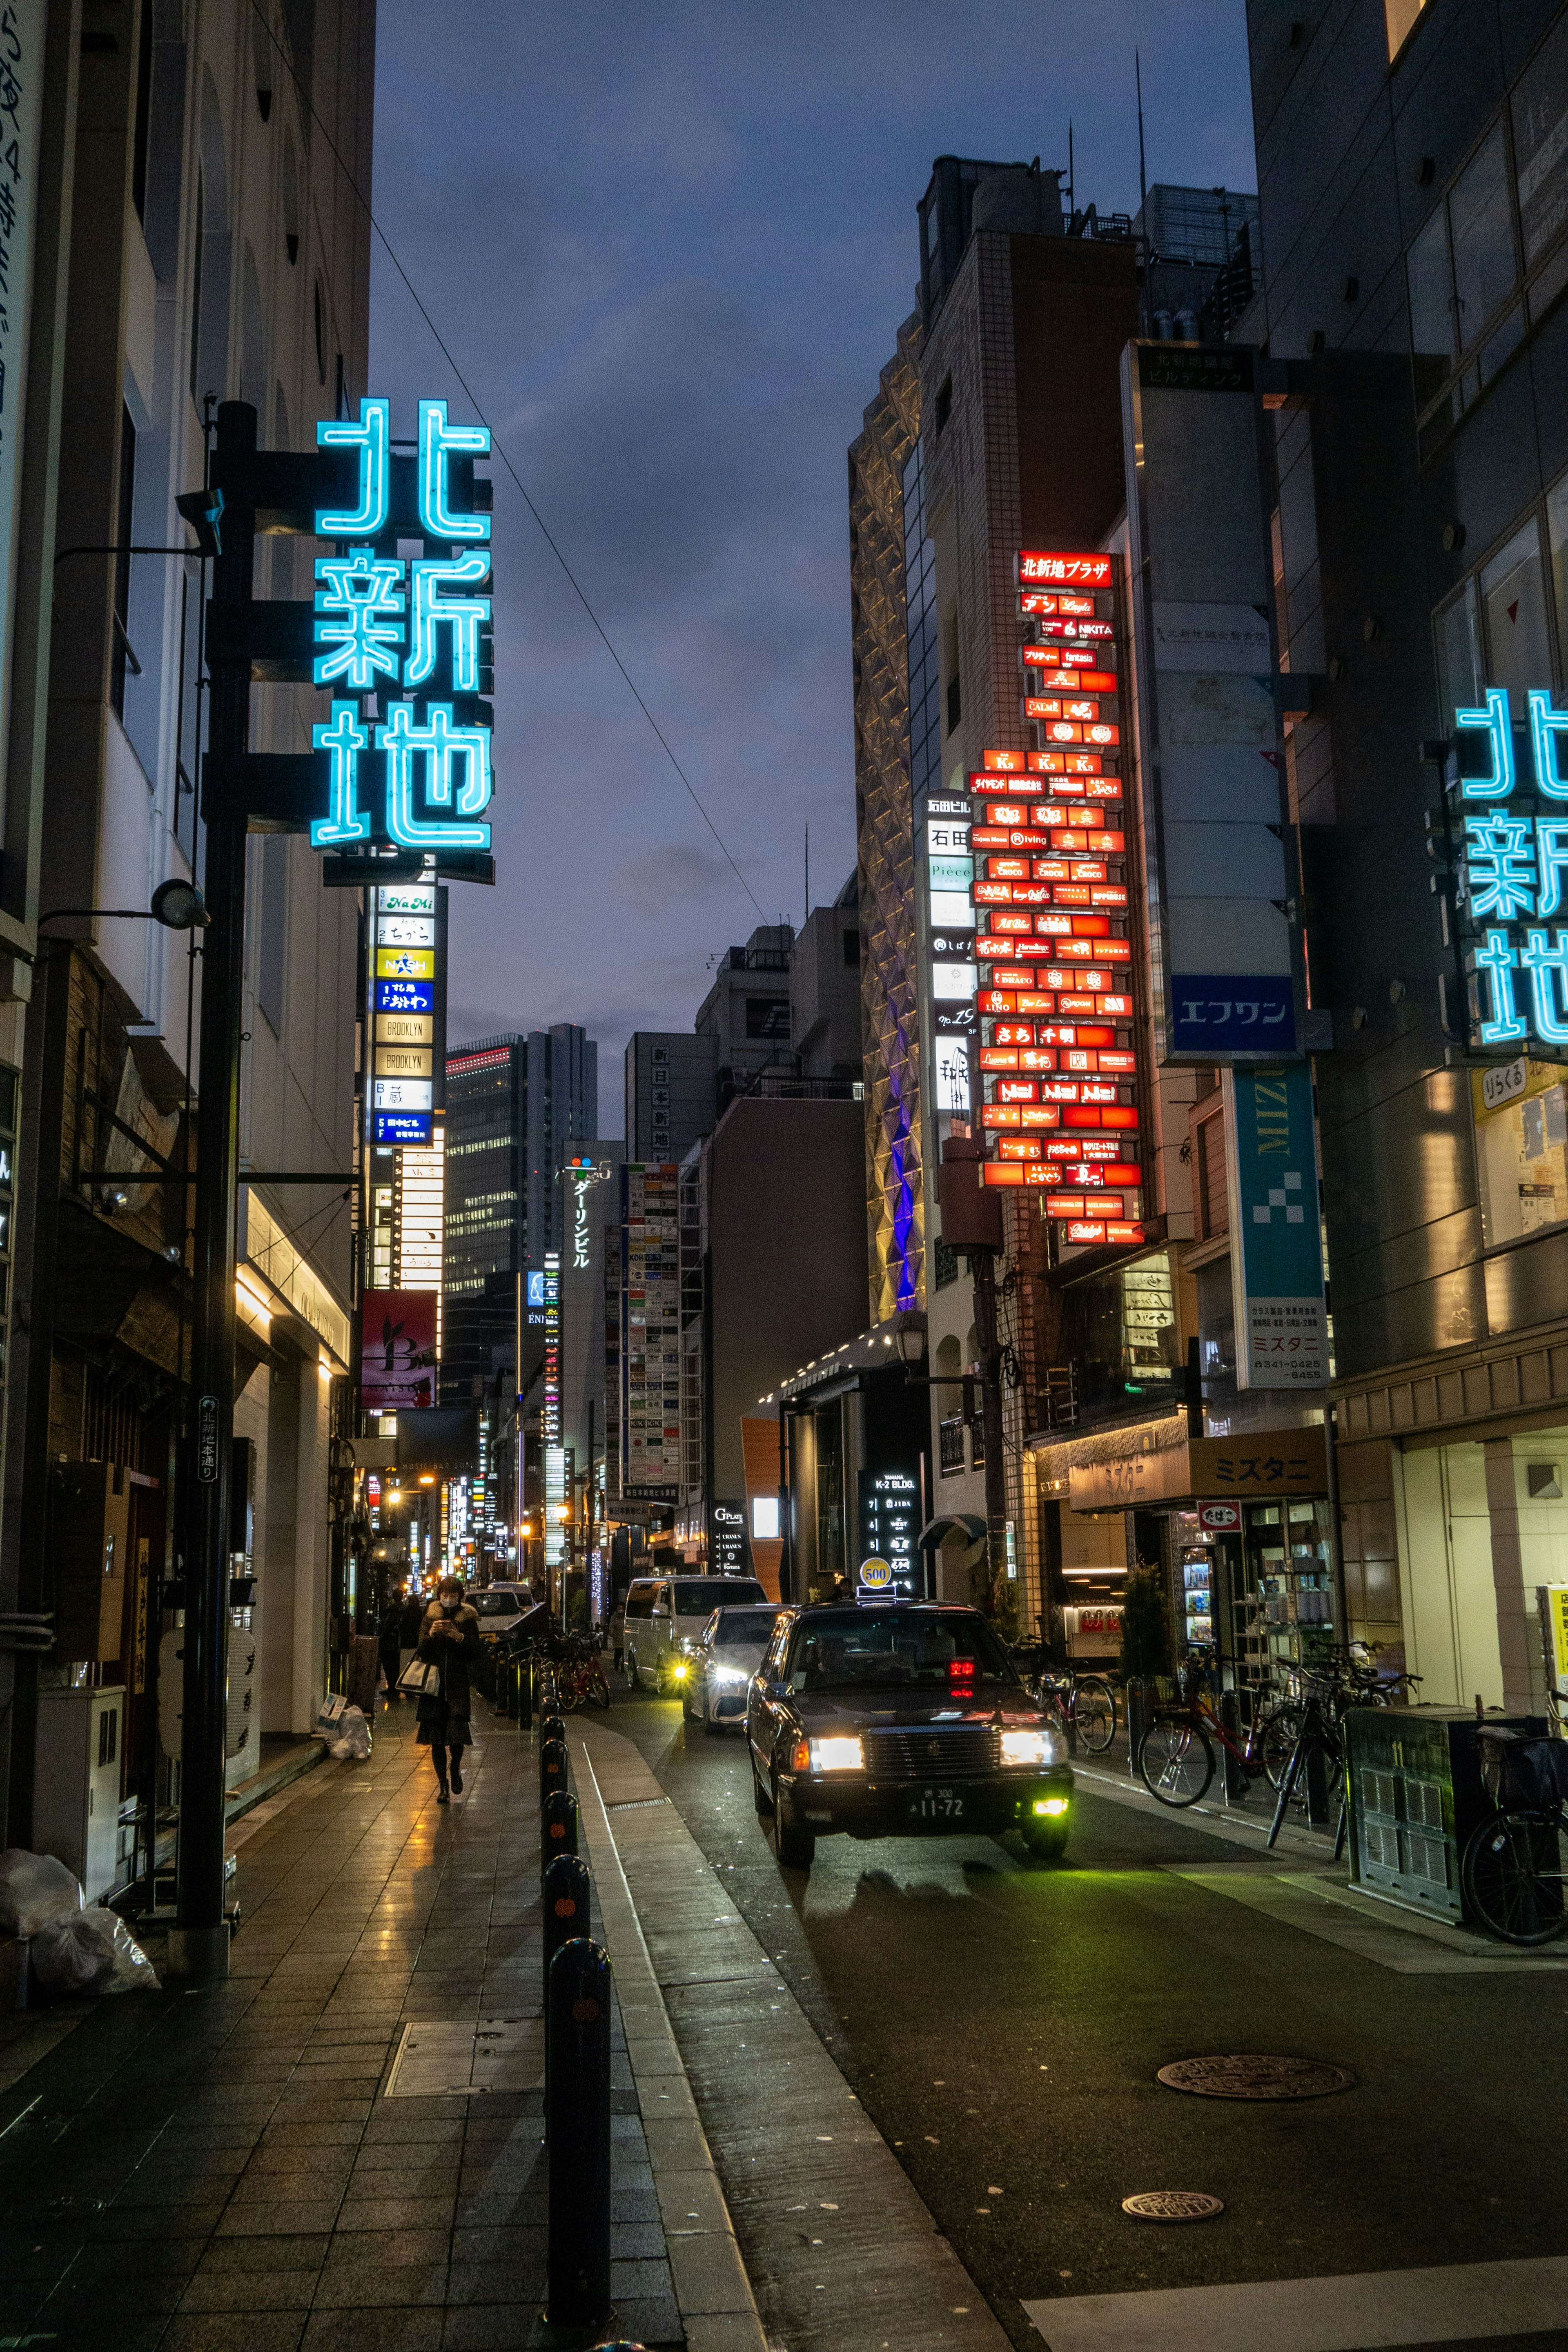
35, 1890
92, 1952
352, 1743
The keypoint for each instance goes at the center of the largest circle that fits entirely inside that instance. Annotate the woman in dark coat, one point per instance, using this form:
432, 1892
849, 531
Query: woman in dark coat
450, 1641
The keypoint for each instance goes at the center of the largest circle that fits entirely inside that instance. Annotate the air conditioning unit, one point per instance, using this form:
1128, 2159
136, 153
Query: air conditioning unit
76, 1807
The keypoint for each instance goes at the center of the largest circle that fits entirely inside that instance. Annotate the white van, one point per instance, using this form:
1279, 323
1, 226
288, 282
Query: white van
665, 1617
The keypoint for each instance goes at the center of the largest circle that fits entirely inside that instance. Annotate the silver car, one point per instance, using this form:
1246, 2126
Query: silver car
728, 1653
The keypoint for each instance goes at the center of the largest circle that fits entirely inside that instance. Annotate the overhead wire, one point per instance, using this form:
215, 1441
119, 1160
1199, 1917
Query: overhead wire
469, 393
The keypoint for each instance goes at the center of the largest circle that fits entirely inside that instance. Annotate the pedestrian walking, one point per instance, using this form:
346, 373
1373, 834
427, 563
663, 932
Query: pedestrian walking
389, 1638
412, 1627
450, 1643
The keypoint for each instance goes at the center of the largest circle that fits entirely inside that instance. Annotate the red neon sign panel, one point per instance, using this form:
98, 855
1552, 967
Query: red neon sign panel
1052, 568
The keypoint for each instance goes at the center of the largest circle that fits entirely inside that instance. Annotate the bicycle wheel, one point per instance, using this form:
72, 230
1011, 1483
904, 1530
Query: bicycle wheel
1512, 1878
1278, 1732
1176, 1760
598, 1687
1094, 1712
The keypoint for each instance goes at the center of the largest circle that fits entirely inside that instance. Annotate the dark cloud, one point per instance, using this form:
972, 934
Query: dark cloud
671, 250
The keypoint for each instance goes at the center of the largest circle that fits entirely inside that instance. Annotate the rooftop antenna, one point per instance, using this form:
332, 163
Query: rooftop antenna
1071, 183
1142, 179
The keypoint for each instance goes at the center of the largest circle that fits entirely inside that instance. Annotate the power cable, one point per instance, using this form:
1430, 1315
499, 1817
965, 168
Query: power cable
472, 396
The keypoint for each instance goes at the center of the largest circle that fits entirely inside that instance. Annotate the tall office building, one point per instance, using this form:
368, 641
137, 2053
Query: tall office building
672, 1092
517, 1107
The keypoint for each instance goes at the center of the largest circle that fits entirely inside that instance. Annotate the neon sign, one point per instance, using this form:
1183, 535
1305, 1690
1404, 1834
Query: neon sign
383, 623
1512, 872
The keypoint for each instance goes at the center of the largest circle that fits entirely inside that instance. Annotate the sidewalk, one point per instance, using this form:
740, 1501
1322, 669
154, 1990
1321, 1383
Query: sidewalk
324, 2152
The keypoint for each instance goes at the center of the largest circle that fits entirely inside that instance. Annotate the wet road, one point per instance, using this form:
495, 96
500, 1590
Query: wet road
1002, 2023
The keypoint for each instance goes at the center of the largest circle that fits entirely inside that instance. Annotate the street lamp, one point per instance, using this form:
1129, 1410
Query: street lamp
910, 1338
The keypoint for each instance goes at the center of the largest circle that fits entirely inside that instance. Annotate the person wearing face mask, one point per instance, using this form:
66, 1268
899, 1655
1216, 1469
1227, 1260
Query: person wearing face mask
449, 1640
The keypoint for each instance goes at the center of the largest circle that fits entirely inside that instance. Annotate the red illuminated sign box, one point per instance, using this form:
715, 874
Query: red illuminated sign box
1052, 568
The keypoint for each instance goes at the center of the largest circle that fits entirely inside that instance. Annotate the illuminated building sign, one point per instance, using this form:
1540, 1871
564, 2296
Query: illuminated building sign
1051, 952
407, 1012
889, 1529
650, 1331
414, 633
1507, 817
557, 1544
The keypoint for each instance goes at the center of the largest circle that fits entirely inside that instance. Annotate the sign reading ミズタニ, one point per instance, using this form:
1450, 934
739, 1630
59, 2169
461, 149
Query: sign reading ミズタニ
413, 632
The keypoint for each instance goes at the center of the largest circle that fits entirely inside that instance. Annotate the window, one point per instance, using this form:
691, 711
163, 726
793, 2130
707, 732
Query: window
852, 948
1541, 144
768, 1016
196, 289
1458, 650
1213, 1197
949, 1436
1480, 218
944, 406
122, 658
766, 1518
1513, 601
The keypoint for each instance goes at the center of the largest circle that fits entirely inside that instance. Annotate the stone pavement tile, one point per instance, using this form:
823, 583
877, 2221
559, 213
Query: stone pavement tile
388, 2247
130, 2221
231, 2254
492, 2328
352, 2287
416, 2328
233, 2331
360, 2212
654, 2321
269, 2290
285, 2218
518, 2244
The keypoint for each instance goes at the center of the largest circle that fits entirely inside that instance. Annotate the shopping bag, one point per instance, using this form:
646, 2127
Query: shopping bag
421, 1676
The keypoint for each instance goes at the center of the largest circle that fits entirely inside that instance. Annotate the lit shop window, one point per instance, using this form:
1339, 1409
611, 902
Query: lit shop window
1522, 1147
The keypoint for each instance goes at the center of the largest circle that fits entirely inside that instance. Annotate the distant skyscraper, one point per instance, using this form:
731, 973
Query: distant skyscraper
516, 1109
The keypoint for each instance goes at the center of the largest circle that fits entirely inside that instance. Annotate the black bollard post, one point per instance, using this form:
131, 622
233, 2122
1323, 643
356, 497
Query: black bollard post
552, 1761
566, 1913
525, 1693
577, 2137
552, 1727
558, 1825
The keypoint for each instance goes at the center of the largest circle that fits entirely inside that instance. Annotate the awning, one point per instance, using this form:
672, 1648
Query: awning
1259, 1465
933, 1531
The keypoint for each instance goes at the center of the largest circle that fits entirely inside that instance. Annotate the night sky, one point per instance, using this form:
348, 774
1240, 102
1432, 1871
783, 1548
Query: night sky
670, 247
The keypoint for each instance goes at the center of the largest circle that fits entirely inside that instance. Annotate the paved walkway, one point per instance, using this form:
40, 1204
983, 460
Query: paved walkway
266, 2166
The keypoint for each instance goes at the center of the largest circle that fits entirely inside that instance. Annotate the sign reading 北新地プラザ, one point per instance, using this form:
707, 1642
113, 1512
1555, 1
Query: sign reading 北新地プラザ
414, 632
1507, 815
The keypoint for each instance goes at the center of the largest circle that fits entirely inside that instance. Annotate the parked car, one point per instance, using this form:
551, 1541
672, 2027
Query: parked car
901, 1720
501, 1607
665, 1617
729, 1651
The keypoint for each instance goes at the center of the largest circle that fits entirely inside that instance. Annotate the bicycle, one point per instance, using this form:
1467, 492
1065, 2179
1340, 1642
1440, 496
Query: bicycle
1511, 1872
1176, 1759
579, 1677
1086, 1703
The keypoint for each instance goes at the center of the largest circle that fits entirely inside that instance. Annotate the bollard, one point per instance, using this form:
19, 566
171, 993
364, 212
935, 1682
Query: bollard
558, 1825
551, 1767
566, 1914
577, 2137
525, 1693
552, 1727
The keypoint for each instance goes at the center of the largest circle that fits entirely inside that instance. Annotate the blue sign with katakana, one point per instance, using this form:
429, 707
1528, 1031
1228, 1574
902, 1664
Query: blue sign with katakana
1231, 1013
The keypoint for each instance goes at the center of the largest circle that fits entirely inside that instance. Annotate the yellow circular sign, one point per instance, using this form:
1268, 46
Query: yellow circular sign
876, 1575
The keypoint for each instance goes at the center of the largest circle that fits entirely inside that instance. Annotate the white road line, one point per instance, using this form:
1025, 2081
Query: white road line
1360, 2310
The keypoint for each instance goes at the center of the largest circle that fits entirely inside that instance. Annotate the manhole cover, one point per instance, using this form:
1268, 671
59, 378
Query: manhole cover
1173, 2205
1255, 2078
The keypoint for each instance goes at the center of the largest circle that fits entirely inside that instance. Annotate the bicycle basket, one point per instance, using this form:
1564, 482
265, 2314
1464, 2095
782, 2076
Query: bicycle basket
1530, 1774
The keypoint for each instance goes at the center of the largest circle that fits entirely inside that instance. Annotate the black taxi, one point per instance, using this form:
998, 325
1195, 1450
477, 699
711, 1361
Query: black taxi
900, 1719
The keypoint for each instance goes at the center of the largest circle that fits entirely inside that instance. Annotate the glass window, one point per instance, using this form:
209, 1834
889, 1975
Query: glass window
1557, 546
743, 1629
1521, 1150
1541, 144
1459, 652
1482, 220
845, 1648
1513, 598
1431, 292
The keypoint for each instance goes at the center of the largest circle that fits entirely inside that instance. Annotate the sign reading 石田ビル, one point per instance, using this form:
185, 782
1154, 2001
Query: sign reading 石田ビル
1507, 812
414, 632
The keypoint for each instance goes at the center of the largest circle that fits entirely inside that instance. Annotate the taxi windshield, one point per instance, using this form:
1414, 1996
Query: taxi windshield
902, 1649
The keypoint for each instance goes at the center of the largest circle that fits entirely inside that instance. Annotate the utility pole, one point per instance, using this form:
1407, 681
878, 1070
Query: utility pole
198, 1944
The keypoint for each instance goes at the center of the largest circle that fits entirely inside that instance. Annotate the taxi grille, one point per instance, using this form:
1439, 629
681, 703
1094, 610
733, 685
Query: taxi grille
931, 1755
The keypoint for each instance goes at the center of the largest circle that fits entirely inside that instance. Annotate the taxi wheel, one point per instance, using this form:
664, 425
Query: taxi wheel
1044, 1841
796, 1844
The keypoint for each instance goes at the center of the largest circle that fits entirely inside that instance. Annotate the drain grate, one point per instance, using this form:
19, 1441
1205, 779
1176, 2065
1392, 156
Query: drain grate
1255, 2078
455, 2058
1173, 2205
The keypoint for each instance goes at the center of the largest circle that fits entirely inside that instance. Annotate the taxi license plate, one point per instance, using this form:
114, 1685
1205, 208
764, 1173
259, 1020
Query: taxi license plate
935, 1805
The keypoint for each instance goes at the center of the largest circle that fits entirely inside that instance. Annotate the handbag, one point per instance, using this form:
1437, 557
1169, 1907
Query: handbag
422, 1677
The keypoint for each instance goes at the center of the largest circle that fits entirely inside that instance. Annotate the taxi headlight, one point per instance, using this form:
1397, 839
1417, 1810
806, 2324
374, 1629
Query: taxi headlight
1028, 1748
839, 1755
729, 1674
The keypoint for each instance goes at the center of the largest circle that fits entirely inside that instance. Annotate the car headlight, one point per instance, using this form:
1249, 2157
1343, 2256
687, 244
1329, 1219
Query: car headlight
840, 1755
680, 1666
1028, 1748
729, 1674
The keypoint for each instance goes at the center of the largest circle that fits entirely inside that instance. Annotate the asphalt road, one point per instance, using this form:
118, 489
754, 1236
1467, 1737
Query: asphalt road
1002, 2023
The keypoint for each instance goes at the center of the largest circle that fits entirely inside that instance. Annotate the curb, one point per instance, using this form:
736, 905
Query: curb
712, 2292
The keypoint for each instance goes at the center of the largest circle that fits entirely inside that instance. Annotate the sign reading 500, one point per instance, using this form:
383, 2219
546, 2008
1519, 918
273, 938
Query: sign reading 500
414, 633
